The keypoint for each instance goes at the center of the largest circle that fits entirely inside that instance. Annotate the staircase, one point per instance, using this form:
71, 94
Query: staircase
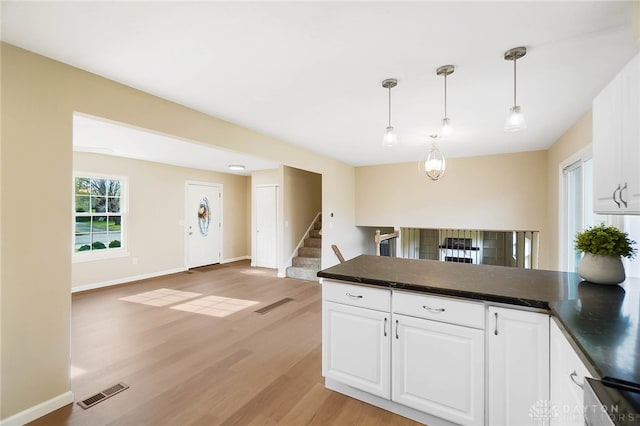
307, 263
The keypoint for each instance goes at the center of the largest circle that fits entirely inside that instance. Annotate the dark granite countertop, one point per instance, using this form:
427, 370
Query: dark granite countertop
603, 321
515, 286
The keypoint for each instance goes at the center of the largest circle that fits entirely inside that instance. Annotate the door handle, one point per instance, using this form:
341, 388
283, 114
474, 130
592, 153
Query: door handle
495, 331
434, 310
385, 327
573, 376
397, 330
614, 196
622, 200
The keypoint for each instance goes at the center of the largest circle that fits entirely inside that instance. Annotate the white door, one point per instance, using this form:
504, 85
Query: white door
266, 199
356, 347
203, 224
438, 368
518, 376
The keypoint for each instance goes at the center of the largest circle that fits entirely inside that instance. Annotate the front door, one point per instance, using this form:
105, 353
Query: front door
203, 224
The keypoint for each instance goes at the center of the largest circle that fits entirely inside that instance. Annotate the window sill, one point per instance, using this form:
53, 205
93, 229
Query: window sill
98, 255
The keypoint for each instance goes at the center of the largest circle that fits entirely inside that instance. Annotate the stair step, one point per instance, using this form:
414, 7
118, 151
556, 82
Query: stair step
310, 252
313, 242
317, 225
315, 233
302, 273
307, 262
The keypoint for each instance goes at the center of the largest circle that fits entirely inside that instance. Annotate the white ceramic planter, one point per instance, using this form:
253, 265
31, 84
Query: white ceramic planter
601, 269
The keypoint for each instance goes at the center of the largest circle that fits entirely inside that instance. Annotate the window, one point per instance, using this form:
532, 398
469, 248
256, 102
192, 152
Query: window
577, 213
99, 216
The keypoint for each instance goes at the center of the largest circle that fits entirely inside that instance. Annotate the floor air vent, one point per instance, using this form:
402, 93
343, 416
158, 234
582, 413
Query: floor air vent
101, 396
274, 305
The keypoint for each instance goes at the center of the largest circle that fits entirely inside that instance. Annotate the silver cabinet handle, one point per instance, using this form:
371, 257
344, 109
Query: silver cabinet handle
397, 329
496, 329
354, 296
622, 200
434, 310
385, 327
614, 196
573, 379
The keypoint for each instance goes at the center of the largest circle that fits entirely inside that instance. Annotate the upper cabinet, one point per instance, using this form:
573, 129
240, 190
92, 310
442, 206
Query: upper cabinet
616, 143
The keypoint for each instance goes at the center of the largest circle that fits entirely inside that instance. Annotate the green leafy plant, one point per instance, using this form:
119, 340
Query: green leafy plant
97, 245
114, 244
605, 240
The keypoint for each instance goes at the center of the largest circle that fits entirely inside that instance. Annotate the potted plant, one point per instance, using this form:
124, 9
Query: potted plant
603, 246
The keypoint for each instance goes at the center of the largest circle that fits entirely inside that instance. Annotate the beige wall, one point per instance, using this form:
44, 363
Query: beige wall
39, 97
302, 202
155, 230
497, 192
571, 142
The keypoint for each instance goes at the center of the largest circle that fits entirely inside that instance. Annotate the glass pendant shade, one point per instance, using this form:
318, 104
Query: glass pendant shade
390, 138
446, 129
434, 163
515, 120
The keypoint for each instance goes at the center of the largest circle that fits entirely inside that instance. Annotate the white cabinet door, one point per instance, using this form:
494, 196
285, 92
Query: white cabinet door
356, 347
518, 367
566, 380
630, 117
616, 143
438, 368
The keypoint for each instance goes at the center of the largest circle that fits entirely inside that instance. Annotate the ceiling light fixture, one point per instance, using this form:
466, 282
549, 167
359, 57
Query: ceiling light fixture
434, 163
445, 128
515, 120
236, 167
390, 138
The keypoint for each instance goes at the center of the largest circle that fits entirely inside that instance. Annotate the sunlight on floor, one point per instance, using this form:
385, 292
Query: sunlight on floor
161, 297
215, 306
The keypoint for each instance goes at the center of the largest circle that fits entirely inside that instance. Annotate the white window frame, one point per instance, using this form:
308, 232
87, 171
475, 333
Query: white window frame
109, 253
564, 241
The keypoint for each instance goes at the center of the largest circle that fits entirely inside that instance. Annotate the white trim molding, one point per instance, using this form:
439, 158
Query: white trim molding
37, 411
124, 280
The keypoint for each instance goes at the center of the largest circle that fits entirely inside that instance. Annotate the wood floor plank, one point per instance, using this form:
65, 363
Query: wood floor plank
185, 368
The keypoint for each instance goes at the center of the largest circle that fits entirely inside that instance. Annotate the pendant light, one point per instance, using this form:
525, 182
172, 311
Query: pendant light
390, 138
515, 120
445, 128
434, 163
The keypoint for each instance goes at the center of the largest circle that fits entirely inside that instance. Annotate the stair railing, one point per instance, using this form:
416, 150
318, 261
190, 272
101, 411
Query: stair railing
379, 238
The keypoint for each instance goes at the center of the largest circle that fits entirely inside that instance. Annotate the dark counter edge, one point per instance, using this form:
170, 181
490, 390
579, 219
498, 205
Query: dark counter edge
485, 297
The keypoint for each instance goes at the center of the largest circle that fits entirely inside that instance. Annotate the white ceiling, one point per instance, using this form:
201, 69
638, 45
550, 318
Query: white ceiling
310, 73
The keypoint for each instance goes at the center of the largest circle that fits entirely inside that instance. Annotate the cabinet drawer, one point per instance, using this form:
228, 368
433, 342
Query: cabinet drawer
355, 295
453, 311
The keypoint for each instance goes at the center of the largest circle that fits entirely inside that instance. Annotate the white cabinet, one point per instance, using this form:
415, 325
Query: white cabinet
356, 340
518, 367
616, 143
567, 378
438, 368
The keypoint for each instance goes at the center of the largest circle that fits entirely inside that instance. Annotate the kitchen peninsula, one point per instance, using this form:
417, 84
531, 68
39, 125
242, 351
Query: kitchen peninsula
451, 343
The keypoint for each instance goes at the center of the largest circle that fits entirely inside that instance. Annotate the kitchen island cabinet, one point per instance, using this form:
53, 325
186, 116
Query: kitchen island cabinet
518, 367
601, 322
356, 339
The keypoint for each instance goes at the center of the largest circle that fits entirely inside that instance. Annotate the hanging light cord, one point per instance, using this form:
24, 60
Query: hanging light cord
445, 95
515, 59
389, 106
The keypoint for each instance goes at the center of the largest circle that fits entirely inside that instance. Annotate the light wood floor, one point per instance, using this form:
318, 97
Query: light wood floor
186, 368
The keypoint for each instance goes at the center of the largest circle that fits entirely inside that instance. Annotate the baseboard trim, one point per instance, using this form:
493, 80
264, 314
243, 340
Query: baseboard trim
37, 411
125, 280
236, 259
